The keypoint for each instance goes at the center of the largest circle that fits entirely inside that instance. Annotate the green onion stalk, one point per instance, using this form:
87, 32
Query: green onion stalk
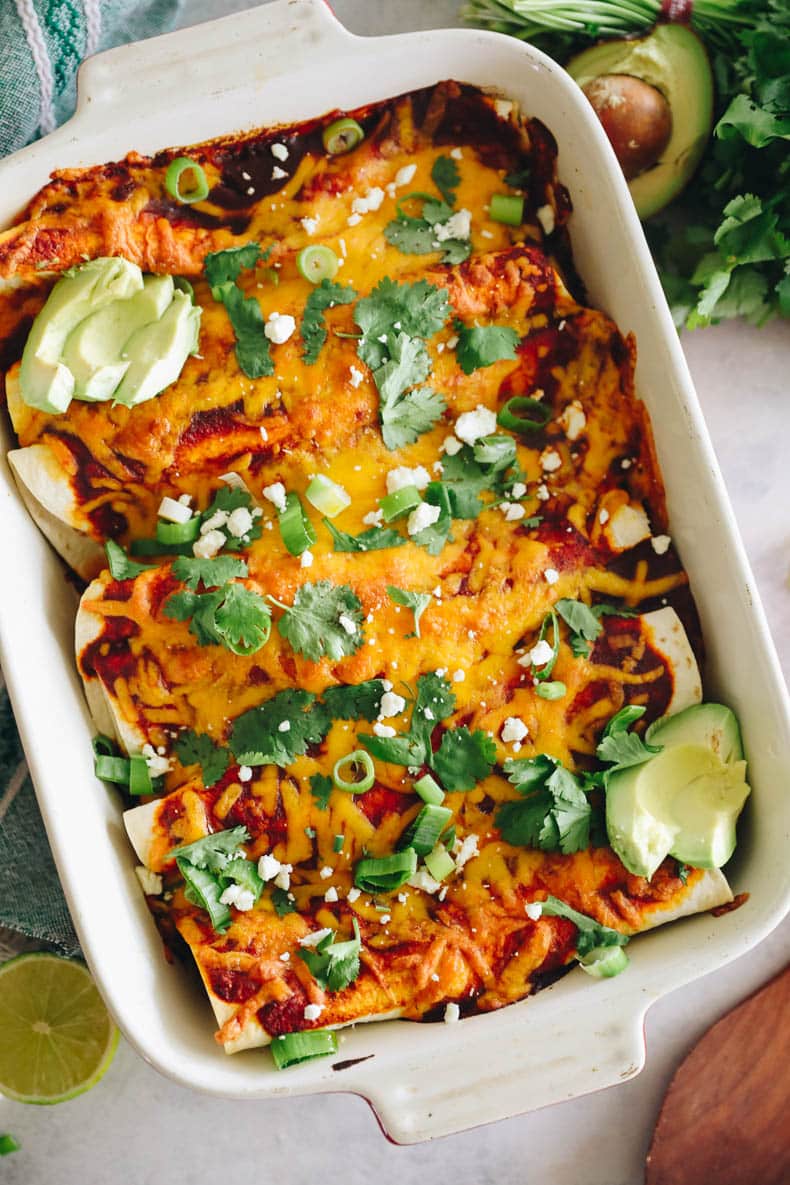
559, 27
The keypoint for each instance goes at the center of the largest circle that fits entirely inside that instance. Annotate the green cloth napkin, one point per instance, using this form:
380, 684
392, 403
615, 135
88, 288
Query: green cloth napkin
42, 43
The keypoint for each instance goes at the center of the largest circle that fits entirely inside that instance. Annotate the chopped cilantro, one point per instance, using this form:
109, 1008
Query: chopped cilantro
211, 573
418, 235
374, 539
583, 623
554, 813
213, 852
482, 345
591, 933
252, 346
420, 308
354, 701
446, 177
121, 567
334, 965
312, 624
283, 902
519, 178
222, 267
434, 702
624, 749
417, 602
464, 758
257, 739
196, 748
323, 297
242, 620
683, 872
321, 787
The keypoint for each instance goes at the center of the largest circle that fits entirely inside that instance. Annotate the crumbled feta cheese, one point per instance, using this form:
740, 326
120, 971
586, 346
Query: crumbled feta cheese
239, 522
551, 575
486, 234
603, 516
207, 546
471, 425
264, 434
279, 327
392, 704
245, 773
452, 342
275, 494
234, 480
456, 154
347, 623
403, 476
422, 879
533, 910
150, 882
452, 1013
174, 512
627, 526
660, 543
279, 151
518, 490
513, 511
331, 895
514, 729
157, 765
373, 518
573, 420
353, 894
186, 499
458, 226
404, 175
625, 463
545, 216
459, 676
541, 653
218, 519
268, 867
383, 730
342, 244
356, 377
314, 937
312, 1011
423, 516
277, 174
466, 851
285, 957
441, 672
284, 726
326, 872
403, 898
451, 445
353, 219
550, 460
283, 878
310, 225
542, 493
371, 201
242, 898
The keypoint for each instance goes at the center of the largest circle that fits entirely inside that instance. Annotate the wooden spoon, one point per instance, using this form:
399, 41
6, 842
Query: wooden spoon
725, 1116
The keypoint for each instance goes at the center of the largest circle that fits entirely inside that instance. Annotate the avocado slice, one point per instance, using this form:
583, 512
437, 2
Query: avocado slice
686, 800
46, 383
157, 352
673, 61
93, 351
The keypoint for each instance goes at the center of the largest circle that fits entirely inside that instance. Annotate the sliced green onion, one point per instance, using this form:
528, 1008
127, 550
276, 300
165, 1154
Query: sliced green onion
176, 170
385, 874
151, 547
507, 208
295, 527
342, 135
449, 838
555, 690
245, 873
495, 450
112, 769
429, 790
139, 775
544, 674
523, 415
337, 843
8, 1144
439, 863
183, 285
204, 890
327, 496
292, 1048
317, 263
424, 831
175, 533
353, 762
401, 502
604, 962
103, 747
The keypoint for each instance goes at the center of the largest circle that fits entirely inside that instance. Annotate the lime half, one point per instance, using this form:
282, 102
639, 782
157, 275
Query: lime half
56, 1036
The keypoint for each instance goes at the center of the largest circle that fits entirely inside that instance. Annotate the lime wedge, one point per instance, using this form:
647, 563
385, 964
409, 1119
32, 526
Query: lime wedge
56, 1036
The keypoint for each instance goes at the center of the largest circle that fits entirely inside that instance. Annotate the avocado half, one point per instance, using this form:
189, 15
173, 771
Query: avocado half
672, 60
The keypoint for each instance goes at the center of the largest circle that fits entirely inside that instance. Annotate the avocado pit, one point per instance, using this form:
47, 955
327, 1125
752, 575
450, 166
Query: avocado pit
636, 118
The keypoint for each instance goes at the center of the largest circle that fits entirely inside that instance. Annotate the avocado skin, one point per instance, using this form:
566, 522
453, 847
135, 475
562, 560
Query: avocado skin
674, 61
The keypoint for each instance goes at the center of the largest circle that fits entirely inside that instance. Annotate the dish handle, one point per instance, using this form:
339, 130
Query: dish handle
261, 42
545, 1060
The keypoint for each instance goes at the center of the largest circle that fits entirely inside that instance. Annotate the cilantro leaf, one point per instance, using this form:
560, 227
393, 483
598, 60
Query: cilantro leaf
757, 125
406, 418
242, 620
591, 933
520, 177
312, 624
446, 177
374, 539
321, 787
198, 609
334, 965
253, 353
222, 267
197, 748
408, 363
283, 902
228, 499
421, 308
418, 602
482, 345
210, 573
121, 567
624, 749
213, 852
257, 738
417, 236
354, 701
434, 537
435, 701
324, 296
464, 758
405, 749
582, 622
554, 814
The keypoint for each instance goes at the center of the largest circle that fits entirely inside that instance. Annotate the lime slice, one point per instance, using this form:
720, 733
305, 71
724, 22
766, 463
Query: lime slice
56, 1036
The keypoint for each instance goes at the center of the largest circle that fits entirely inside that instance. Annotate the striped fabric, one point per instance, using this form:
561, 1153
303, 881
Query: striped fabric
42, 43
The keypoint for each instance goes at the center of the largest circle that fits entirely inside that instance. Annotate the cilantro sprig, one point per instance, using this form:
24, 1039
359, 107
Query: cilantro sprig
483, 345
222, 270
325, 620
619, 747
230, 615
434, 702
554, 813
195, 748
373, 539
325, 295
591, 934
424, 234
334, 965
584, 622
280, 729
417, 602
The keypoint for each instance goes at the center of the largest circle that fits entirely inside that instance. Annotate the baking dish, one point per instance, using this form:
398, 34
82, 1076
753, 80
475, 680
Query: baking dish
289, 61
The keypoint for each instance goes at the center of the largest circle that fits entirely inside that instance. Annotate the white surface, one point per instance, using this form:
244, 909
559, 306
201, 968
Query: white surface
135, 1117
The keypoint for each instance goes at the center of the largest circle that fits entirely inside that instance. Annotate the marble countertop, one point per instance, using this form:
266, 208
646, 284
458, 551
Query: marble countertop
137, 1128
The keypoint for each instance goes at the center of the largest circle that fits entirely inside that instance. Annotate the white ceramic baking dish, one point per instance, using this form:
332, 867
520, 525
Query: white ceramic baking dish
288, 61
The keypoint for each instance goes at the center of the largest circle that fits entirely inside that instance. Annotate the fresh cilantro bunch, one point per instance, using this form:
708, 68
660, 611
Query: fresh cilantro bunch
229, 615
